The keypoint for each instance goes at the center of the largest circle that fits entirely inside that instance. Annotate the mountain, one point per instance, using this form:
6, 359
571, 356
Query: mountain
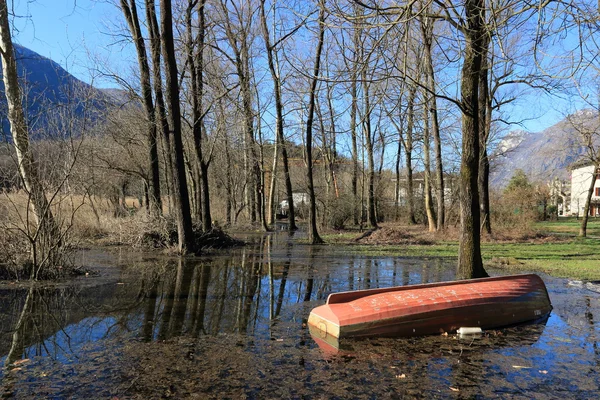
49, 90
541, 155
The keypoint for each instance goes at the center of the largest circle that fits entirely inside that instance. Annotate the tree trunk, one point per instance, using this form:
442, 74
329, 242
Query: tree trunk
470, 264
161, 113
588, 199
331, 148
397, 173
181, 197
47, 241
273, 68
131, 15
195, 57
485, 121
408, 149
427, 31
370, 157
260, 189
427, 166
228, 175
353, 133
273, 184
313, 234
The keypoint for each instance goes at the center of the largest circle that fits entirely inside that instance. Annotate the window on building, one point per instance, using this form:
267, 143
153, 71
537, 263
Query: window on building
598, 191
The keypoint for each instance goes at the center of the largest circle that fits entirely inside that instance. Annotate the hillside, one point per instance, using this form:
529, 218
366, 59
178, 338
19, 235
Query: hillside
49, 90
541, 155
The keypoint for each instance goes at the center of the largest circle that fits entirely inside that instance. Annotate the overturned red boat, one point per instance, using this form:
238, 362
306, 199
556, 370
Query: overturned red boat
433, 308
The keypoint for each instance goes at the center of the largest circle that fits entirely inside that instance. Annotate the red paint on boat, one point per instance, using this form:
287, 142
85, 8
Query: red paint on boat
433, 308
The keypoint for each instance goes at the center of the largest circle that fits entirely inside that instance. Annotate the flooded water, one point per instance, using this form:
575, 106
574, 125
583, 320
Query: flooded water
233, 325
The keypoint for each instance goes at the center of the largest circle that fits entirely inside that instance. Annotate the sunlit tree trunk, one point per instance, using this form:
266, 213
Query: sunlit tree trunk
470, 264
485, 122
280, 137
408, 150
181, 197
427, 167
238, 40
161, 113
588, 199
313, 233
46, 242
397, 173
427, 32
370, 157
131, 16
195, 57
353, 113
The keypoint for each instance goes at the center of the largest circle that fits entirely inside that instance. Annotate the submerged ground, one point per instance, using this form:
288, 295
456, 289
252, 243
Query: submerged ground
232, 325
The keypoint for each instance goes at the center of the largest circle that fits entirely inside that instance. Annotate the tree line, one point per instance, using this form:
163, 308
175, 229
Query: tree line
227, 90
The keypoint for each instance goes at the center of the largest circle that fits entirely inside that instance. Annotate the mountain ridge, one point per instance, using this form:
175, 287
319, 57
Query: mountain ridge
48, 90
542, 155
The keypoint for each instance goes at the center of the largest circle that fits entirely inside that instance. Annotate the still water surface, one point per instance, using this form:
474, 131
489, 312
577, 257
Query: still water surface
232, 325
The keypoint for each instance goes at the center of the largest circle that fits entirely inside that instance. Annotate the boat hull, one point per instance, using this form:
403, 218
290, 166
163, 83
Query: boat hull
433, 308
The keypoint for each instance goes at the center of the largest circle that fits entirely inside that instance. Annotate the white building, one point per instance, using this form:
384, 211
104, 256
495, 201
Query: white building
582, 174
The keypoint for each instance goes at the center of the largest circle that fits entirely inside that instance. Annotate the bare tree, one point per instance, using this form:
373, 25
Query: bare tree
427, 26
46, 243
280, 143
313, 233
129, 10
181, 196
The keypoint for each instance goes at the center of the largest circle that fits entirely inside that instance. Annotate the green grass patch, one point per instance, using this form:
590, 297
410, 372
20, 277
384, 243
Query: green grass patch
569, 226
577, 258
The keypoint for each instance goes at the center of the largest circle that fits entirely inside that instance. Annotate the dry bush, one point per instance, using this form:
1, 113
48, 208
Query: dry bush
337, 212
513, 214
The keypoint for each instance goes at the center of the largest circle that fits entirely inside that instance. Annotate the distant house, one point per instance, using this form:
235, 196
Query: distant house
299, 199
560, 195
450, 188
582, 174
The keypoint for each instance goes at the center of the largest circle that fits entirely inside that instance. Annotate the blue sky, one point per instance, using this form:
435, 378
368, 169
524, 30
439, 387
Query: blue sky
68, 32
74, 32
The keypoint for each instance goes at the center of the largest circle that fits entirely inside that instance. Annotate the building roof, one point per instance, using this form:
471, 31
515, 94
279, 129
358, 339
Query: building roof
580, 163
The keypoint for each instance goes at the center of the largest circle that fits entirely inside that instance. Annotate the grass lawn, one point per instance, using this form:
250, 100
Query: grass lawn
569, 226
576, 258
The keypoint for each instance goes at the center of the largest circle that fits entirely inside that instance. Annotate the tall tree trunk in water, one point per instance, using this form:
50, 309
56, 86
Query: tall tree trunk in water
427, 31
369, 143
260, 190
273, 184
331, 148
280, 135
427, 165
588, 199
470, 264
313, 234
195, 58
408, 149
181, 197
47, 245
228, 172
485, 122
131, 15
280, 138
238, 42
161, 112
353, 113
397, 172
